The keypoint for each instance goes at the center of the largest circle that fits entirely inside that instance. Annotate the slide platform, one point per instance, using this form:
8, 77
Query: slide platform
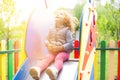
69, 71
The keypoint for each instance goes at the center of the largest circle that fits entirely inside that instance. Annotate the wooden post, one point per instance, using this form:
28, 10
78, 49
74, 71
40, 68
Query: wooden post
10, 60
76, 52
22, 53
102, 60
118, 61
3, 62
111, 61
96, 66
16, 56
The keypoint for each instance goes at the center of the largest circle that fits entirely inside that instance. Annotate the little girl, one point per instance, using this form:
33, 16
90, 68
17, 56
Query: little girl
59, 44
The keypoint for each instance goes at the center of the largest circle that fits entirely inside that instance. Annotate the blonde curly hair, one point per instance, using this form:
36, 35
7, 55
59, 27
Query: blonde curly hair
67, 20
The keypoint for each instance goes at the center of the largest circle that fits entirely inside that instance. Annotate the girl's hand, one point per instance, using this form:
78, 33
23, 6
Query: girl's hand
58, 48
53, 48
47, 43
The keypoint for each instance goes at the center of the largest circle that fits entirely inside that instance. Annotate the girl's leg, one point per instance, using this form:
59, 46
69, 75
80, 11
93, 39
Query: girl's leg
53, 70
36, 70
44, 63
59, 60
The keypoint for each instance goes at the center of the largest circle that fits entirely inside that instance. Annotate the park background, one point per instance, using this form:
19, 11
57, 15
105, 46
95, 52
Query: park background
14, 16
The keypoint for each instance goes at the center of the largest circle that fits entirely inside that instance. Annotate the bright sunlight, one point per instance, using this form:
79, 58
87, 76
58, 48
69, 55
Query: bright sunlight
25, 7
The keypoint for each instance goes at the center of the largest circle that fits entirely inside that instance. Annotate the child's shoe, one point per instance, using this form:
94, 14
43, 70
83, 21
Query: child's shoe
44, 76
52, 72
35, 72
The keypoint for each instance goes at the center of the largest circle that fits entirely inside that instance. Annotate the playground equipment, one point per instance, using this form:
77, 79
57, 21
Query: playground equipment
87, 49
87, 42
38, 26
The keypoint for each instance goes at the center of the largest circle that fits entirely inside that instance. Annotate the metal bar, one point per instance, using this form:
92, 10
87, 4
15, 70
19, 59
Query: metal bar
9, 51
102, 48
107, 48
17, 50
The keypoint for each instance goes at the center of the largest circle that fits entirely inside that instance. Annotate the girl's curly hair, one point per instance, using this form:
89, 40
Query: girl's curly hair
68, 19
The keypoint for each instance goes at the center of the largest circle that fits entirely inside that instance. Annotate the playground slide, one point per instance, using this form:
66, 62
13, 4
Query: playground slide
69, 71
38, 26
37, 29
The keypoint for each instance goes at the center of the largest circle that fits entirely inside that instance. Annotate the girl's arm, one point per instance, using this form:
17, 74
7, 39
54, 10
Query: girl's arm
68, 47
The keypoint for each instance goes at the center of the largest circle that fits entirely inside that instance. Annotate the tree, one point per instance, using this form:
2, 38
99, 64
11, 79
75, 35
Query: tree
2, 29
7, 8
77, 12
108, 22
17, 32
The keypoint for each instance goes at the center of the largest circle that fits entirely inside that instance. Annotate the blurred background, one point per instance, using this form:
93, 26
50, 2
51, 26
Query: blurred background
15, 14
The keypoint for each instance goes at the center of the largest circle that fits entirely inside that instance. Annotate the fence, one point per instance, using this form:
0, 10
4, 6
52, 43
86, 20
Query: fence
106, 59
8, 59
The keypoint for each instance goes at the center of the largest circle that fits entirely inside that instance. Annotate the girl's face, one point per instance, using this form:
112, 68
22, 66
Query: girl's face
60, 16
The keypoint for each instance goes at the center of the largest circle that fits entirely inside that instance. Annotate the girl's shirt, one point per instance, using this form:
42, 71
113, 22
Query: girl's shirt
62, 35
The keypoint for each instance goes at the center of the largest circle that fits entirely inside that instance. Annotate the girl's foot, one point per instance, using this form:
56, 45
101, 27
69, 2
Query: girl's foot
52, 72
35, 72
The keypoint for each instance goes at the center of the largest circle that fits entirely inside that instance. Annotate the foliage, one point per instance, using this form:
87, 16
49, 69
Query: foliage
17, 32
77, 11
6, 13
108, 22
7, 10
8, 21
2, 29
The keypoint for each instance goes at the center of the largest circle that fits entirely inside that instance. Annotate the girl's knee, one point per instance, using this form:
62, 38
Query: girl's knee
62, 57
59, 58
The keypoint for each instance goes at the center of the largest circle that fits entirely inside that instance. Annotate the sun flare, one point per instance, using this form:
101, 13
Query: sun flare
25, 7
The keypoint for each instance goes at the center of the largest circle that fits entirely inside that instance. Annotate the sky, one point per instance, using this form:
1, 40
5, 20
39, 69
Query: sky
26, 6
50, 3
